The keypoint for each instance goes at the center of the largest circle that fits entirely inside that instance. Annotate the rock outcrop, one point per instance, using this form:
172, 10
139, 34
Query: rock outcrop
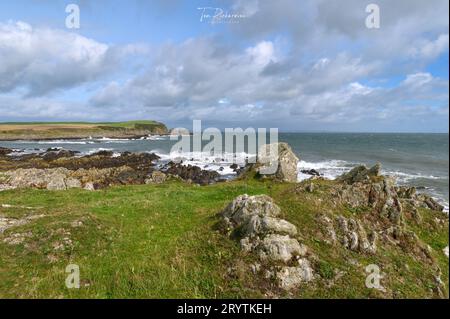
365, 187
255, 221
278, 161
193, 174
156, 177
58, 169
5, 151
349, 233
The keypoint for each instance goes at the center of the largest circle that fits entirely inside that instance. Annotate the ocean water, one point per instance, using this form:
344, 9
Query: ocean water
420, 160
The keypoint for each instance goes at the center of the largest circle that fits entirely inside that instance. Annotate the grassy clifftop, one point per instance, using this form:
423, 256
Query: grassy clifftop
159, 241
53, 130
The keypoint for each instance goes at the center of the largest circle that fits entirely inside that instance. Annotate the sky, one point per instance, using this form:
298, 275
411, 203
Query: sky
310, 65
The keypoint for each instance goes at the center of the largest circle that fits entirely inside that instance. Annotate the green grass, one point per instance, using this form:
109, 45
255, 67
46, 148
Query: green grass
159, 241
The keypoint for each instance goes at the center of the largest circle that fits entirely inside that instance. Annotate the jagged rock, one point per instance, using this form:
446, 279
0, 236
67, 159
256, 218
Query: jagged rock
39, 178
193, 174
360, 174
330, 233
433, 204
279, 161
243, 207
66, 159
73, 183
406, 192
280, 248
5, 151
52, 155
365, 187
157, 177
258, 225
89, 187
362, 187
57, 184
311, 172
392, 207
261, 232
292, 277
353, 236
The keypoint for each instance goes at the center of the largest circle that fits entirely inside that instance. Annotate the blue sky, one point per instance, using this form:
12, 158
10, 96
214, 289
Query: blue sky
309, 66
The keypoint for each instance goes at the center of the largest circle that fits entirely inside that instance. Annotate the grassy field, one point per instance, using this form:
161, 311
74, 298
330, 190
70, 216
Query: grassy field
45, 130
159, 241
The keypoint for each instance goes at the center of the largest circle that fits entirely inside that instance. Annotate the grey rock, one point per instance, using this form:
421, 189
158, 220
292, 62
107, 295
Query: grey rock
360, 174
57, 184
292, 277
279, 161
243, 207
258, 225
73, 183
157, 177
89, 187
280, 248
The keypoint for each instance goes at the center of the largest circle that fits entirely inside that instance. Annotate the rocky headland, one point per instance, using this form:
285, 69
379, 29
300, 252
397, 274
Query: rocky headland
79, 130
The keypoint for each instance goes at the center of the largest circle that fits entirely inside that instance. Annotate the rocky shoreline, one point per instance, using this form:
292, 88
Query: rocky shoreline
381, 211
57, 169
277, 245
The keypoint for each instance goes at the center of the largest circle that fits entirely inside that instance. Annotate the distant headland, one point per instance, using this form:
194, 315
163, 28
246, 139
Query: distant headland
75, 130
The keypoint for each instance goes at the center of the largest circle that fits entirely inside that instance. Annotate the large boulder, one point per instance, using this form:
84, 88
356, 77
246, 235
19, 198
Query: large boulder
277, 160
255, 221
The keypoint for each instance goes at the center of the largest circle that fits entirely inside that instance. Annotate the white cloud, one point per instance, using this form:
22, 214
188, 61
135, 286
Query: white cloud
41, 60
308, 65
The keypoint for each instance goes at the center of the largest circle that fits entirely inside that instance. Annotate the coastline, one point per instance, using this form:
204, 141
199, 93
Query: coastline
83, 137
329, 165
103, 208
79, 130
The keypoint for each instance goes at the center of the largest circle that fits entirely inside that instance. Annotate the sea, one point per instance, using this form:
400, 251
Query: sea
420, 160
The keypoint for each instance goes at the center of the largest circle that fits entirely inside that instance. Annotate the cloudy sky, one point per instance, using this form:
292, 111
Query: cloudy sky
310, 65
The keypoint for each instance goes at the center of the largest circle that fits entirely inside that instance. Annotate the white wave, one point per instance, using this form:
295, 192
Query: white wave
158, 137
407, 177
57, 142
329, 169
207, 161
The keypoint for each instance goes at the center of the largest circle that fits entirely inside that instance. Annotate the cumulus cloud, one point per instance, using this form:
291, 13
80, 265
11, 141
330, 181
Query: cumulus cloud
42, 60
308, 65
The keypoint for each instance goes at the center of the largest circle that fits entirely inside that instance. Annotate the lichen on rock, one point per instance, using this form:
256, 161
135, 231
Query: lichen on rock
255, 221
